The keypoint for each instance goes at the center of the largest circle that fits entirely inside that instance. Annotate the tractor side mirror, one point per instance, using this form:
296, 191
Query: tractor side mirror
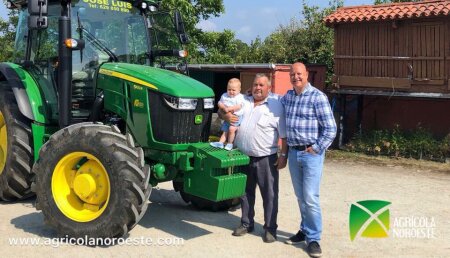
38, 14
179, 27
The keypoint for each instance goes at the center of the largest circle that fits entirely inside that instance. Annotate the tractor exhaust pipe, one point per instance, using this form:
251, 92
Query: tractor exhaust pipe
64, 67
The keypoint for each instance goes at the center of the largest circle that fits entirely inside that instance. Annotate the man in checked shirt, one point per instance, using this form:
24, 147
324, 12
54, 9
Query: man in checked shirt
310, 130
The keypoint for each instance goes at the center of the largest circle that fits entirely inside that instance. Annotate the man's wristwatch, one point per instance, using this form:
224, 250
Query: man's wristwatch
283, 155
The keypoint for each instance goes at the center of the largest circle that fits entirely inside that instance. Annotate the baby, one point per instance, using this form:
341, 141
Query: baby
231, 101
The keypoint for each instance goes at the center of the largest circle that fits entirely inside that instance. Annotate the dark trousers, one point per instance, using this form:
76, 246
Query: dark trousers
262, 172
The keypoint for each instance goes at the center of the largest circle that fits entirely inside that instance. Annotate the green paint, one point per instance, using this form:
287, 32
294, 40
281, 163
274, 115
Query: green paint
217, 173
38, 138
41, 133
168, 82
159, 171
122, 95
207, 172
37, 101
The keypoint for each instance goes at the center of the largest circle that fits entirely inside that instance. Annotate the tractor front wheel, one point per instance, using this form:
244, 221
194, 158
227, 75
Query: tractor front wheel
91, 181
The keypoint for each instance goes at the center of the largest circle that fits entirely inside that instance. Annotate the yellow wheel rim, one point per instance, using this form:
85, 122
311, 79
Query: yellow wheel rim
3, 142
80, 186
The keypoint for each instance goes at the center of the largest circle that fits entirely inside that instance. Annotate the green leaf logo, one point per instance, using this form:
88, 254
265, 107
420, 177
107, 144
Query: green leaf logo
369, 219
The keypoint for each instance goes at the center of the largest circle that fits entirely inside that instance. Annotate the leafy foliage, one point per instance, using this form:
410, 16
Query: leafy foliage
418, 143
307, 40
192, 11
7, 36
217, 47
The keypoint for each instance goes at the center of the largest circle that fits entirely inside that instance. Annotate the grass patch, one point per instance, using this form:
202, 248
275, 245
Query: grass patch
419, 144
341, 155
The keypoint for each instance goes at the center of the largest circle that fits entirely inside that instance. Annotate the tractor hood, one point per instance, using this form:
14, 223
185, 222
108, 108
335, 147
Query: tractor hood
161, 80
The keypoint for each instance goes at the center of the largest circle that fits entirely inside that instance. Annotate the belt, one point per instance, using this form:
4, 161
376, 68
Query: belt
300, 147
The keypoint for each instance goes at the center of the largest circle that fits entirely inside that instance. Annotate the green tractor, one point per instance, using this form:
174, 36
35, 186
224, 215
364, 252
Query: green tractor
90, 120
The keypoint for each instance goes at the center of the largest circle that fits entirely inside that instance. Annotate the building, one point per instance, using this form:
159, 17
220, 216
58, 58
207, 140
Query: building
217, 75
392, 65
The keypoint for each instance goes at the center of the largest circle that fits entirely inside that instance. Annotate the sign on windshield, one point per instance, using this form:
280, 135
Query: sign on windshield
109, 5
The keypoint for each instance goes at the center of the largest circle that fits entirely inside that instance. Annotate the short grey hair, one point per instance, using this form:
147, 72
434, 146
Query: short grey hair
261, 75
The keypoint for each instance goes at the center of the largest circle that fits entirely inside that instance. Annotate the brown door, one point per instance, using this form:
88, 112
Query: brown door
428, 52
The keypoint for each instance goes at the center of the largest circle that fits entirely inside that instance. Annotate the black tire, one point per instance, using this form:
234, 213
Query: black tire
204, 204
15, 173
124, 165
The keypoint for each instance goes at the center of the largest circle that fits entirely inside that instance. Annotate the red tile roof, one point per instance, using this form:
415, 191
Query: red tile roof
389, 11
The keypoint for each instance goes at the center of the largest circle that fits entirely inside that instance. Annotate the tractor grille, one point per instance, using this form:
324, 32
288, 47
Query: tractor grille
177, 126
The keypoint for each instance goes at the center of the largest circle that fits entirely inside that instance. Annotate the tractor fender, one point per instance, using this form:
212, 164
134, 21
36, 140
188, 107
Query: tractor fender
18, 89
31, 110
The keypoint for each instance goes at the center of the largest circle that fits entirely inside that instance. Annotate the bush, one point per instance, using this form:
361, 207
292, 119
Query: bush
418, 143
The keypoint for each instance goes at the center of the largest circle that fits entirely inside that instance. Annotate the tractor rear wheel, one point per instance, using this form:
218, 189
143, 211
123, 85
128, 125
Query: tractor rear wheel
16, 151
91, 181
204, 204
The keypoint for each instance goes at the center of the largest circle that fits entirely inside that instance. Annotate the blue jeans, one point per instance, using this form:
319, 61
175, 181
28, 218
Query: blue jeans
306, 173
226, 126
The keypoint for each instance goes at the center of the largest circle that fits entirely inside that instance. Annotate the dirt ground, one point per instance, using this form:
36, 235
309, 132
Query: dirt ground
416, 192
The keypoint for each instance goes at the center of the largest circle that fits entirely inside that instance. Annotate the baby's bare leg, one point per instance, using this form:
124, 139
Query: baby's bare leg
223, 137
232, 133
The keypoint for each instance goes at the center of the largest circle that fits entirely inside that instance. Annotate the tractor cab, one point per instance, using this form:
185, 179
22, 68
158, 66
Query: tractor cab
100, 31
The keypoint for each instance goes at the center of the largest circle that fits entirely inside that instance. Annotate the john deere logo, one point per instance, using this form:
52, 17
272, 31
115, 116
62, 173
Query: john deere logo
198, 119
369, 219
138, 103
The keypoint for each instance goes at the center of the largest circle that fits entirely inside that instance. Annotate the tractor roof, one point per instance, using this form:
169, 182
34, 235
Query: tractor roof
20, 3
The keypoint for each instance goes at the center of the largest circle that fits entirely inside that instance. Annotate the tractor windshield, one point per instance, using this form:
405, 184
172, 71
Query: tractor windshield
113, 26
166, 48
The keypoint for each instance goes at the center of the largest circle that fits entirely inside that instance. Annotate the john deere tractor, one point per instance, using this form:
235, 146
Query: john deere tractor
89, 120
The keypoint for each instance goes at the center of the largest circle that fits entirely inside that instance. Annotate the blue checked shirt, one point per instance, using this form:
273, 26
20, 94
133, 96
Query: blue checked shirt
309, 119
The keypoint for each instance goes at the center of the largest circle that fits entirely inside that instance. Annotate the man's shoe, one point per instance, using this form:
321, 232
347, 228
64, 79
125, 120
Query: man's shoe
269, 237
314, 249
242, 230
296, 239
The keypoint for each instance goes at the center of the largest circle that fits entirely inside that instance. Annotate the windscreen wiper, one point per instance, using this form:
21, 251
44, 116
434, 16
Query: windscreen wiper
97, 43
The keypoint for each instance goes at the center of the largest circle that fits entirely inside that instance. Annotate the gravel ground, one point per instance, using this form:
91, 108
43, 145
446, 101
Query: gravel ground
178, 230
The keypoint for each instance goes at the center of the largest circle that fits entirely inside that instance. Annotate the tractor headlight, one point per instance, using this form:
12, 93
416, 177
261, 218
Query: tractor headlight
181, 103
208, 103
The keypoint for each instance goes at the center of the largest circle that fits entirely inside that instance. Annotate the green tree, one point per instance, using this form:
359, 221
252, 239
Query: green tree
192, 11
216, 47
250, 53
307, 40
7, 36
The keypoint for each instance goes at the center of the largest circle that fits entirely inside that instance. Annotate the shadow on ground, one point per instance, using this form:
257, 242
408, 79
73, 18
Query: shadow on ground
169, 213
166, 212
32, 222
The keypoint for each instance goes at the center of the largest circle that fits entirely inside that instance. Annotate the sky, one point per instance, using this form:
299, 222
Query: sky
252, 18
